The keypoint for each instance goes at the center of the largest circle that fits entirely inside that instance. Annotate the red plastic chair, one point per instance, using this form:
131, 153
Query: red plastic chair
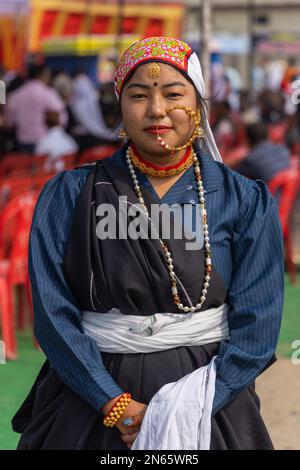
69, 161
22, 164
13, 186
41, 180
288, 182
16, 163
15, 223
47, 166
39, 163
6, 308
234, 157
97, 153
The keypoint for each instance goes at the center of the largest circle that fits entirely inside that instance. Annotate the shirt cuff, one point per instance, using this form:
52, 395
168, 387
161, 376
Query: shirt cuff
98, 390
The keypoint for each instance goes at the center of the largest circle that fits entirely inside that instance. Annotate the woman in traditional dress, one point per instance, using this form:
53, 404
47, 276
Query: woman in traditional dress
140, 329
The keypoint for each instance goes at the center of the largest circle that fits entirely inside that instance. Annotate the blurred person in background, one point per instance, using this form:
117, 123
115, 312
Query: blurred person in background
292, 133
63, 84
2, 74
2, 134
91, 129
228, 127
109, 105
26, 108
56, 143
265, 158
290, 74
271, 104
7, 135
259, 75
234, 84
15, 80
274, 71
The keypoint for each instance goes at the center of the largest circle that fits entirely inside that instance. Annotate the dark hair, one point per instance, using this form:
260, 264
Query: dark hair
52, 118
201, 101
256, 133
35, 71
78, 71
224, 105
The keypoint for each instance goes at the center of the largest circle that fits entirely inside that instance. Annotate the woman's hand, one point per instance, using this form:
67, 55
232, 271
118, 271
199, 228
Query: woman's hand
129, 439
136, 411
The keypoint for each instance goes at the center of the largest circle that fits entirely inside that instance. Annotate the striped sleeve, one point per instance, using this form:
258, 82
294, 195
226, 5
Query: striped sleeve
57, 318
255, 295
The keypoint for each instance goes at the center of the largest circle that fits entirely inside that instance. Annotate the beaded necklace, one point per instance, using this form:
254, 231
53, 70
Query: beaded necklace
167, 253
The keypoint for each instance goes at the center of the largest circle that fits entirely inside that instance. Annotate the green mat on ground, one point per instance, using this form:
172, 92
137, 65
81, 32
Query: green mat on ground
16, 377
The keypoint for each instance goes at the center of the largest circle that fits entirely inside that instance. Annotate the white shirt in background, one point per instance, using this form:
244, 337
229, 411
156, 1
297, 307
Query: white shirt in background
56, 144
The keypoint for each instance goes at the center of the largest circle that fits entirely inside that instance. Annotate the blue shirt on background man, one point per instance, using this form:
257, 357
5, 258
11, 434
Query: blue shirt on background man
264, 161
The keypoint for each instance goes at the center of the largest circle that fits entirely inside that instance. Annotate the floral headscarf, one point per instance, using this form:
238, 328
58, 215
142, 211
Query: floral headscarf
173, 52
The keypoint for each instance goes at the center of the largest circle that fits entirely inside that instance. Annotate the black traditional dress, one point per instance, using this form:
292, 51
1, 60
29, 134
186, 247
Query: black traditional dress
132, 276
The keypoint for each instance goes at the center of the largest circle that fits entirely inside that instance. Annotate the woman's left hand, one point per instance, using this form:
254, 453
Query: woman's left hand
136, 411
129, 438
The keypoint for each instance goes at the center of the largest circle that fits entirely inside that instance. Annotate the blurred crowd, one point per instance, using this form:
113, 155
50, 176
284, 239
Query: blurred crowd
54, 121
55, 113
258, 131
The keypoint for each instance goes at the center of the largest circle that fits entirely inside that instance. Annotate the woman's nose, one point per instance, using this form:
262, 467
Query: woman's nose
156, 108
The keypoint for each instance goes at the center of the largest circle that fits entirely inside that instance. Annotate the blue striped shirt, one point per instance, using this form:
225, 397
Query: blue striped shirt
247, 251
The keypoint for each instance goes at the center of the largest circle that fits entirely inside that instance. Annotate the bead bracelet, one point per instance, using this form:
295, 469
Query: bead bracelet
117, 410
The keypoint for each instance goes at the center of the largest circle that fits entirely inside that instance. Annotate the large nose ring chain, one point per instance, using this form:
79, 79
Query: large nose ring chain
197, 132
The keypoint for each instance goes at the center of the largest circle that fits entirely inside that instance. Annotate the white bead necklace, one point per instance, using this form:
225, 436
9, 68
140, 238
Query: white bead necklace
208, 264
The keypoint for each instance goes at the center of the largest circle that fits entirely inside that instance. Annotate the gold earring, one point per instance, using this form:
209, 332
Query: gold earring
123, 134
200, 130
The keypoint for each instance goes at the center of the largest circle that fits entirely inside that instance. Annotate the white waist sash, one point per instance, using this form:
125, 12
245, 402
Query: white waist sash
178, 417
115, 332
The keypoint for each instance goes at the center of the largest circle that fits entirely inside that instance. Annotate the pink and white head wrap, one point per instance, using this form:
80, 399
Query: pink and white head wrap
173, 52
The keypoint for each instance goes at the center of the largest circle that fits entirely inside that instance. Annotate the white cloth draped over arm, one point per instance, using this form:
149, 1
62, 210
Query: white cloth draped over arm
179, 415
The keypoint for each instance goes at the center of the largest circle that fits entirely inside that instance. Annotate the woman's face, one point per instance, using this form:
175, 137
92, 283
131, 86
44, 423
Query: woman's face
144, 102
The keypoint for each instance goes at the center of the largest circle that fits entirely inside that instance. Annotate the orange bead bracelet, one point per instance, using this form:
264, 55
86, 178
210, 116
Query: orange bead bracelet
117, 410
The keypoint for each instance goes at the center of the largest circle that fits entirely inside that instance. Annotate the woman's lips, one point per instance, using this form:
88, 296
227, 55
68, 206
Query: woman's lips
163, 130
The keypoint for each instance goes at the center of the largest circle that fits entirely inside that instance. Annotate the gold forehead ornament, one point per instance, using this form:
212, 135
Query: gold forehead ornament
153, 70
